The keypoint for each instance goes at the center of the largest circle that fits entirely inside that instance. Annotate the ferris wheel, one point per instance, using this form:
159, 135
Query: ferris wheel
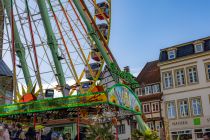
48, 46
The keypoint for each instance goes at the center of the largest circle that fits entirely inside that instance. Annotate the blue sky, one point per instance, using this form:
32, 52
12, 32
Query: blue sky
140, 28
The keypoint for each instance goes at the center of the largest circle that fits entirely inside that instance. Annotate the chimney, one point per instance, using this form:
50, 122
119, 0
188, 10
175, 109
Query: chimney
126, 69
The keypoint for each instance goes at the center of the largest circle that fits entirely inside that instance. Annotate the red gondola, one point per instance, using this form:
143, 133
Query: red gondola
103, 12
95, 55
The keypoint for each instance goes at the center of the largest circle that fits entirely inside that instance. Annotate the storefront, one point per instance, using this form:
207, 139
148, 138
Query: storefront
189, 129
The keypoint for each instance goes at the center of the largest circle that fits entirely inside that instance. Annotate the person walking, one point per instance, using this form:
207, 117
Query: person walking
6, 134
67, 136
19, 135
1, 132
206, 136
30, 134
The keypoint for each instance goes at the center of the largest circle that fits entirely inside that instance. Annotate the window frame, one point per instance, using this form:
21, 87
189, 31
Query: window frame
174, 54
150, 125
163, 79
188, 77
149, 90
176, 79
145, 104
206, 71
198, 44
166, 109
179, 108
121, 129
152, 109
156, 87
191, 107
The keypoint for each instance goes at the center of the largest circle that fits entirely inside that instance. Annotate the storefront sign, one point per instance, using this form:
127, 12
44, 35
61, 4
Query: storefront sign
53, 104
179, 123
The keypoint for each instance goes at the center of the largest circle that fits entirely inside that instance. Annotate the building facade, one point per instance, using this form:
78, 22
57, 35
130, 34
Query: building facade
185, 83
6, 84
151, 97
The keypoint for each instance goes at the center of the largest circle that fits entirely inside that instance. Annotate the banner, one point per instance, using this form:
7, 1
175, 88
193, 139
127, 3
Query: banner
53, 104
123, 97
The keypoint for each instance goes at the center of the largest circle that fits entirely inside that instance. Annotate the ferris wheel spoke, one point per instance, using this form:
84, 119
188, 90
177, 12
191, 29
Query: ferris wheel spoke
76, 50
43, 46
27, 45
76, 39
64, 43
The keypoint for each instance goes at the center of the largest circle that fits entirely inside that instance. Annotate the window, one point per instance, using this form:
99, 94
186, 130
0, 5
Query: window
137, 91
167, 80
180, 77
171, 110
198, 47
155, 107
198, 133
148, 90
121, 129
207, 65
146, 108
150, 125
183, 108
157, 127
196, 106
156, 88
192, 75
171, 54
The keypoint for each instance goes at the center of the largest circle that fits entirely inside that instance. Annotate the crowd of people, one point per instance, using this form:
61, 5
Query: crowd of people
16, 132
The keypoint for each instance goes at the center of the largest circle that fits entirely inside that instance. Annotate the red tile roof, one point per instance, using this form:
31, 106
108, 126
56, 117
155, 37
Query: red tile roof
150, 74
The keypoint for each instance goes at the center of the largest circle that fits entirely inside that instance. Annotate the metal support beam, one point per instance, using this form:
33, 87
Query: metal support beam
92, 32
51, 41
20, 50
82, 10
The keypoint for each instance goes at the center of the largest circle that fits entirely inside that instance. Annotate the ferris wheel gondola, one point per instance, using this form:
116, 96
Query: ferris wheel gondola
55, 49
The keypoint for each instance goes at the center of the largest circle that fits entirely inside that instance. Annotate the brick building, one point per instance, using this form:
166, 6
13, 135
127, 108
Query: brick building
151, 96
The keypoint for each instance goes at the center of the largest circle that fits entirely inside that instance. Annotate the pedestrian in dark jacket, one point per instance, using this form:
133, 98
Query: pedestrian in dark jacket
30, 134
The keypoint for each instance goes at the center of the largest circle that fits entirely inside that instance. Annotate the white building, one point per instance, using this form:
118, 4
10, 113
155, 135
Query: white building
185, 73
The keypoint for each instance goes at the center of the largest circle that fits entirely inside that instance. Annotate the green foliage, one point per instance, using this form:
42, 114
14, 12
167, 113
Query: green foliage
100, 132
138, 135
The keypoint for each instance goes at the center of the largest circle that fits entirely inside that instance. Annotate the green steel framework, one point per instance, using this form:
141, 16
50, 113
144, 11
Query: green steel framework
99, 45
54, 46
18, 44
51, 41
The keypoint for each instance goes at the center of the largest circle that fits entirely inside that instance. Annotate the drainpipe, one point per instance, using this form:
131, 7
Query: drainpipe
162, 120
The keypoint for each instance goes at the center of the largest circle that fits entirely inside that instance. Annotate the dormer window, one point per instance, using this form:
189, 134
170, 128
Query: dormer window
171, 54
198, 47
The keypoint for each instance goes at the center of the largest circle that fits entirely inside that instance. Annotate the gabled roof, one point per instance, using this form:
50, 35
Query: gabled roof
4, 69
150, 74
